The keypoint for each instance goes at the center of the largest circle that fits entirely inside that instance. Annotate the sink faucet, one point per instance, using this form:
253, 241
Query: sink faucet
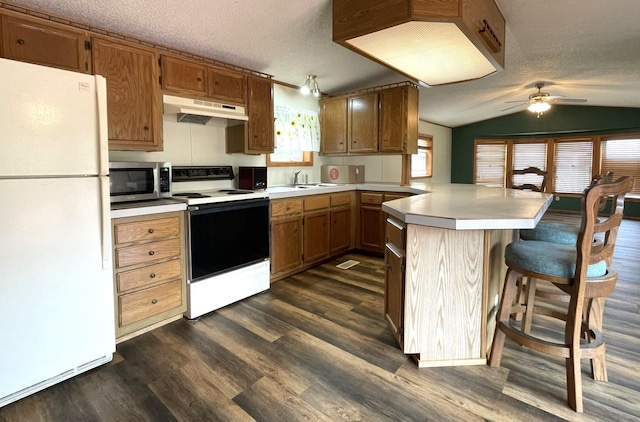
295, 177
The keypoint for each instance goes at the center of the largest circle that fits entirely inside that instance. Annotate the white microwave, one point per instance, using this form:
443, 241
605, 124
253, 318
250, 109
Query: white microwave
139, 180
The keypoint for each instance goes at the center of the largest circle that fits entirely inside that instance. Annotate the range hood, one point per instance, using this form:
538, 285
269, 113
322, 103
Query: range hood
201, 111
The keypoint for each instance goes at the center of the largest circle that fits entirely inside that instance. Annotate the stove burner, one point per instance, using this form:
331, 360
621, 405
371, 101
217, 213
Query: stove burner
192, 195
234, 191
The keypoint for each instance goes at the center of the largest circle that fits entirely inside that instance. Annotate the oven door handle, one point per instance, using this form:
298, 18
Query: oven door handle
228, 206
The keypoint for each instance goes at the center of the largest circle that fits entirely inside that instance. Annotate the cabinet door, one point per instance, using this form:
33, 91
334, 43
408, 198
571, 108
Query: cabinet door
371, 228
260, 112
363, 123
399, 120
286, 242
333, 126
46, 44
226, 85
134, 105
340, 229
394, 291
183, 76
316, 236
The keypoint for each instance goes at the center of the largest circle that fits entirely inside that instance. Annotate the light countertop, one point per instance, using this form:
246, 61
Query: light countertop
471, 207
278, 192
134, 209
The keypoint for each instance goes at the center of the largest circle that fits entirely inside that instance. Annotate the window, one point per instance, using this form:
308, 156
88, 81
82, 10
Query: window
422, 161
529, 154
491, 162
622, 157
573, 163
297, 134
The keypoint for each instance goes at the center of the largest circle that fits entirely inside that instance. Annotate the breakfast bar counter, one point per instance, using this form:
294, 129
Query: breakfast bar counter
445, 267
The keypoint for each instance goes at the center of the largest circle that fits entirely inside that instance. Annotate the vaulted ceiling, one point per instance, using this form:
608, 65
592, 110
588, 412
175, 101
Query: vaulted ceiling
579, 48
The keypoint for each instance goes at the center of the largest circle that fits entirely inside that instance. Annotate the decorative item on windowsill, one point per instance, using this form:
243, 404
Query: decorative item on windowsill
310, 86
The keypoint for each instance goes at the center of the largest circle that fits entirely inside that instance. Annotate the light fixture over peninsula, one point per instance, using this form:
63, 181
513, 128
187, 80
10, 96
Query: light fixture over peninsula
434, 42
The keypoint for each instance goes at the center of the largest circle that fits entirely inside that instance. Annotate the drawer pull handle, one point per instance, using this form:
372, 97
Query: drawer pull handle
150, 230
20, 41
199, 79
152, 275
151, 253
154, 301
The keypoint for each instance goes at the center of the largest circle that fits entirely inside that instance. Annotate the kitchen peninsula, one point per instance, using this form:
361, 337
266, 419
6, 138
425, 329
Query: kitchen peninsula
445, 267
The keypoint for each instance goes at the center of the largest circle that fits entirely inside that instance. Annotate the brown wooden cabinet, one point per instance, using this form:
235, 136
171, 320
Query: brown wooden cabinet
149, 272
316, 228
399, 120
341, 225
134, 103
45, 43
363, 123
286, 235
380, 121
257, 135
333, 125
372, 219
183, 76
394, 254
226, 85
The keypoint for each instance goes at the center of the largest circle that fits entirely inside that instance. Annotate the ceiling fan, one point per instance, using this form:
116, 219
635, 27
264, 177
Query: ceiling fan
541, 101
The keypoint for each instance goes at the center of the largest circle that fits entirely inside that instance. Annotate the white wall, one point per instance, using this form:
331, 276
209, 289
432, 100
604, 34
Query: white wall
189, 144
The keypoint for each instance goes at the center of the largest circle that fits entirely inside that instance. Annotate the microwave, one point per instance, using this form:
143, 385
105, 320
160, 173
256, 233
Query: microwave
139, 180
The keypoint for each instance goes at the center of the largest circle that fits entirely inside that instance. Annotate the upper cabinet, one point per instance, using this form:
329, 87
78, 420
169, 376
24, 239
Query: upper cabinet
399, 120
45, 43
379, 121
226, 85
134, 103
257, 135
185, 76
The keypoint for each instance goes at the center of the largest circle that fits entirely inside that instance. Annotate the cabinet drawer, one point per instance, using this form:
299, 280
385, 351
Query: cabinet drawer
371, 198
146, 230
148, 302
148, 252
147, 275
392, 196
338, 199
316, 202
395, 233
286, 207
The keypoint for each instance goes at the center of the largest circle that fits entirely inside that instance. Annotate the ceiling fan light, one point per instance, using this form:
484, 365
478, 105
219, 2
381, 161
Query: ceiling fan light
539, 107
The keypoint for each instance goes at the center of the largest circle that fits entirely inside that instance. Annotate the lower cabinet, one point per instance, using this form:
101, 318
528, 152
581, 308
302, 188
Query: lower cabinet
394, 257
309, 229
149, 272
372, 219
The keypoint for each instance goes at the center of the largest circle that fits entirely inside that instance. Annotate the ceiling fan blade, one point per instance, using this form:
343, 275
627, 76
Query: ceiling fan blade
518, 101
509, 108
569, 100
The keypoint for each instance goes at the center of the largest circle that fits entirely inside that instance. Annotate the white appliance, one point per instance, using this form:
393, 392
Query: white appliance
56, 287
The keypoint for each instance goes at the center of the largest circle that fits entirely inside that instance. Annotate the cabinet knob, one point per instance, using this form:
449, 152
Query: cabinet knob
20, 41
199, 79
150, 230
152, 253
154, 301
145, 127
152, 275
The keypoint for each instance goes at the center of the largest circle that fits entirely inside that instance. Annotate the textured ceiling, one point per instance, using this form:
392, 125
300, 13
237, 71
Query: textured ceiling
579, 48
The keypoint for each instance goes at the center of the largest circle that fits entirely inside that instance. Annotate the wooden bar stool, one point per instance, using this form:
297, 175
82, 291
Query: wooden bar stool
581, 271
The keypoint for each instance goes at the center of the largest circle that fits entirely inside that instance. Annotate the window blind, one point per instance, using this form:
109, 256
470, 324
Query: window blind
491, 160
572, 165
530, 154
622, 157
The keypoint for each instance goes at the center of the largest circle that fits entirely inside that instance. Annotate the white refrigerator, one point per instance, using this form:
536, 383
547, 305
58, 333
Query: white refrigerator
56, 287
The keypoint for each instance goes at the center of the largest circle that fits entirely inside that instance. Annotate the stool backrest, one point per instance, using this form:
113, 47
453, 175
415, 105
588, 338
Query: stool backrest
607, 227
535, 179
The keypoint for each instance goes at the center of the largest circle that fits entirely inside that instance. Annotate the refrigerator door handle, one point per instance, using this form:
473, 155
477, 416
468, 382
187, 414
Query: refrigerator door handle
106, 222
103, 127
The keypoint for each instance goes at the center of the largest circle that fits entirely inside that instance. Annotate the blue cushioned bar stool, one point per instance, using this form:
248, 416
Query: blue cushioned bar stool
582, 271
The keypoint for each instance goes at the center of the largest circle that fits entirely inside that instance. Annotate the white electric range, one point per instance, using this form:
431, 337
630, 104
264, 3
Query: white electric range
227, 238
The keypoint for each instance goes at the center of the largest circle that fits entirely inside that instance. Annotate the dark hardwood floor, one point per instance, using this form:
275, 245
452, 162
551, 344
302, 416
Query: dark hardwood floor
316, 347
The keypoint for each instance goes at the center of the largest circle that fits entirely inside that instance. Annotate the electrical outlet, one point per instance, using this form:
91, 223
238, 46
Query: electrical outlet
557, 198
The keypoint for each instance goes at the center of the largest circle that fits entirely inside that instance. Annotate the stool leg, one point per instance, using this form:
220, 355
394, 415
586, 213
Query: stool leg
594, 314
572, 337
508, 294
529, 304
